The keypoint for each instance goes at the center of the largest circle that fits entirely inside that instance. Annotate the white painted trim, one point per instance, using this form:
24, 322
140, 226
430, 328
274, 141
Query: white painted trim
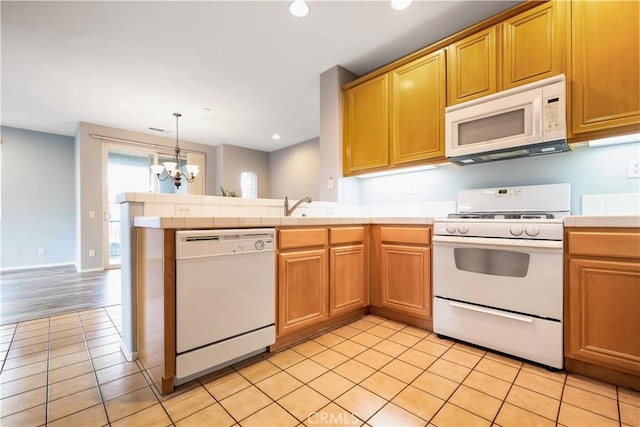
30, 267
128, 354
88, 270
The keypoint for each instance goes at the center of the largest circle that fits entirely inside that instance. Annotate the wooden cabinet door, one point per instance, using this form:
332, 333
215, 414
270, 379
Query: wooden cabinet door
472, 67
302, 289
604, 319
418, 92
406, 279
605, 66
366, 126
534, 44
347, 279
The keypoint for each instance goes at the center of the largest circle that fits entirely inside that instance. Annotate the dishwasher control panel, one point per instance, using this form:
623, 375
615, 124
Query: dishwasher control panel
208, 243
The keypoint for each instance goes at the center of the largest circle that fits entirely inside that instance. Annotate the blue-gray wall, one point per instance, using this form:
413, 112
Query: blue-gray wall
294, 171
38, 198
589, 170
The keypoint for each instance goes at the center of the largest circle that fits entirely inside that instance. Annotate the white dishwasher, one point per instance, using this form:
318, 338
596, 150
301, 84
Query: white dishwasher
225, 297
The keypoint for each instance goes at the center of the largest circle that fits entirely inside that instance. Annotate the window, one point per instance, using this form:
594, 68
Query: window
249, 185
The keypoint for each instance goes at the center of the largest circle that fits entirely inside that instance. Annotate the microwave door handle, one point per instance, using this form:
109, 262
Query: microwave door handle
537, 119
510, 243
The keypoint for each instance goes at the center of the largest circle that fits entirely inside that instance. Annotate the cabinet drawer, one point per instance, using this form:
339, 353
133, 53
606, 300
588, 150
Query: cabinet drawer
604, 243
339, 236
412, 235
302, 238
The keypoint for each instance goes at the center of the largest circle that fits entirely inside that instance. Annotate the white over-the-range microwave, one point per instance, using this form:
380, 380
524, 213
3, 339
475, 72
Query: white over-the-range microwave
529, 120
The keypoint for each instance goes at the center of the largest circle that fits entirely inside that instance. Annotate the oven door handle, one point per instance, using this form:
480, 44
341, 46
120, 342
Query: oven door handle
512, 243
491, 312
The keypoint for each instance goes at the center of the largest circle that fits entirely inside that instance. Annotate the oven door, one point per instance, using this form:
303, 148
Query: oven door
522, 276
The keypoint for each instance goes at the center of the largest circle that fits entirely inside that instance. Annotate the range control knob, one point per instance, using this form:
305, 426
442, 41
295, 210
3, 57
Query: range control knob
463, 228
259, 245
451, 228
532, 230
516, 230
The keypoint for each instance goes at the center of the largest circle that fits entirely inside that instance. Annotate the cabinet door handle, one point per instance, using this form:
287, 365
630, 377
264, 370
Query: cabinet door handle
492, 312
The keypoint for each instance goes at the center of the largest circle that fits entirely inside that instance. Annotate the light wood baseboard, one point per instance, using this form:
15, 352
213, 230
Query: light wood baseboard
621, 379
402, 317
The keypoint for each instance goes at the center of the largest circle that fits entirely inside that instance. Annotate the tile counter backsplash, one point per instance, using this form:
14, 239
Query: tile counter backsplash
611, 204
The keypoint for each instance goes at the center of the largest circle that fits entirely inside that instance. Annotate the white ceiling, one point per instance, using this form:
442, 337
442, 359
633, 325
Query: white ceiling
238, 71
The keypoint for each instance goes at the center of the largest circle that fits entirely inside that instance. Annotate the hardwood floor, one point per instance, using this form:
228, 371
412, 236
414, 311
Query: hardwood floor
37, 293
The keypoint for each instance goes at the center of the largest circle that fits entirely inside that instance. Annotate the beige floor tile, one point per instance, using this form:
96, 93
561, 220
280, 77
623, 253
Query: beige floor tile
245, 402
69, 359
108, 339
373, 358
440, 340
72, 385
309, 348
390, 348
430, 347
27, 359
35, 416
404, 338
416, 332
104, 349
66, 333
469, 348
533, 402
392, 415
504, 359
70, 371
153, 416
63, 326
304, 401
22, 385
354, 371
461, 357
513, 416
38, 339
112, 389
373, 318
393, 324
331, 385
17, 352
346, 331
20, 402
73, 403
366, 339
285, 358
573, 416
116, 371
94, 416
592, 385
68, 349
417, 358
476, 402
497, 369
130, 403
328, 339
226, 385
435, 384
278, 385
539, 384
259, 370
628, 396
108, 360
361, 402
97, 326
213, 415
362, 324
100, 333
559, 376
383, 385
188, 402
418, 402
381, 331
26, 334
307, 370
487, 384
62, 342
449, 370
22, 372
349, 348
273, 416
330, 358
591, 401
629, 415
451, 415
332, 415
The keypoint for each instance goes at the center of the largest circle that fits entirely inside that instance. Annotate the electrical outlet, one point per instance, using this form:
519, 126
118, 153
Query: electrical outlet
42, 251
183, 210
633, 170
92, 252
92, 214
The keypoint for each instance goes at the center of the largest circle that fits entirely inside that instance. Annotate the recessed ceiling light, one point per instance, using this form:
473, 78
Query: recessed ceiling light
275, 136
299, 8
400, 4
207, 109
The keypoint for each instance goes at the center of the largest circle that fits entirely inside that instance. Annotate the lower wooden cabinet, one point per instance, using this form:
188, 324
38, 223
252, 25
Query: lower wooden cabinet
347, 282
602, 314
406, 279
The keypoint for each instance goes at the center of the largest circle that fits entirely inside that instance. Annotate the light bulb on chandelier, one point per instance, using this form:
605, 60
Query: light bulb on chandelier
173, 167
299, 8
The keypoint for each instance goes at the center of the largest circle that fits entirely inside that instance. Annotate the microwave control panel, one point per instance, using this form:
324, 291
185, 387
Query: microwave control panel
554, 111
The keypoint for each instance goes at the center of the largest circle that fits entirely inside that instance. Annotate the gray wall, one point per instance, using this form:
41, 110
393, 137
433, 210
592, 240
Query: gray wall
294, 171
596, 170
232, 161
38, 208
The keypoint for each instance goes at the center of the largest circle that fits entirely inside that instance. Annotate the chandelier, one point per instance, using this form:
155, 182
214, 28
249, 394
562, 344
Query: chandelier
173, 168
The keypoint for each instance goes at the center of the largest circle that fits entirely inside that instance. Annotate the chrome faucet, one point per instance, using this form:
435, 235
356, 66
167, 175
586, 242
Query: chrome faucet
287, 211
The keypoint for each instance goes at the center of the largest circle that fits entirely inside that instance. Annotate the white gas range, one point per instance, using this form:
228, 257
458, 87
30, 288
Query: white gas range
498, 272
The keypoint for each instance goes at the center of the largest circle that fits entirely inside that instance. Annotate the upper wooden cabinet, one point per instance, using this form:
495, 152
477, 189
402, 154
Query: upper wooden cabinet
365, 136
418, 92
605, 95
527, 47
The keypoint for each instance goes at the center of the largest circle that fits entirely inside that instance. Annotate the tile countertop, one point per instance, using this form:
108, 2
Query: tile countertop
266, 221
602, 221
